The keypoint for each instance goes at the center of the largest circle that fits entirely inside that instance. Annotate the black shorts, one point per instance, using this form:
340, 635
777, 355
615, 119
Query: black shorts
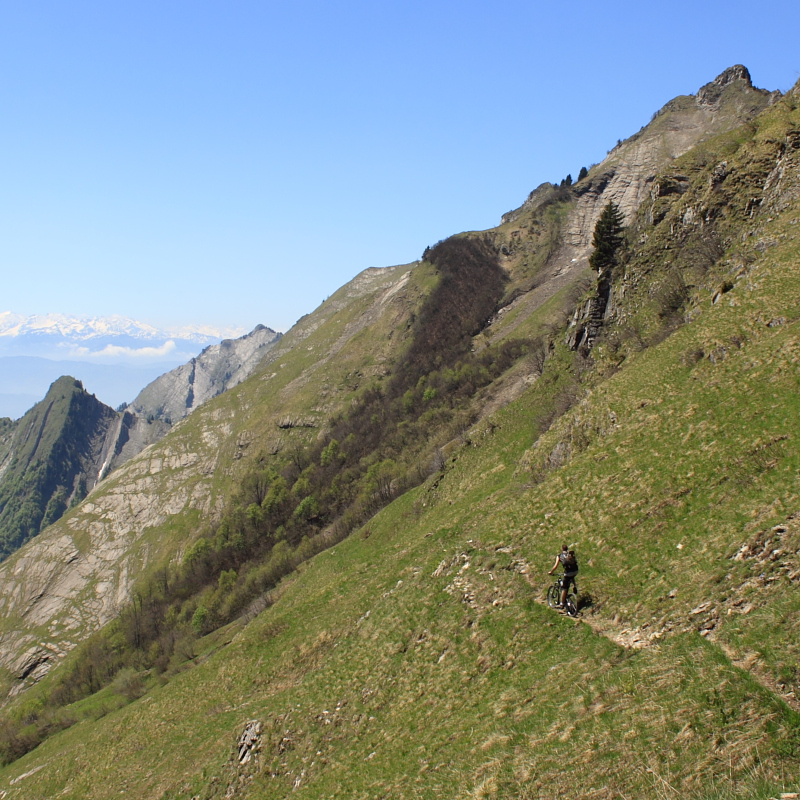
566, 580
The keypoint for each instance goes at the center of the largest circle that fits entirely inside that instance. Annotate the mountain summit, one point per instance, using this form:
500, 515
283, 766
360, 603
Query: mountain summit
51, 458
712, 92
175, 394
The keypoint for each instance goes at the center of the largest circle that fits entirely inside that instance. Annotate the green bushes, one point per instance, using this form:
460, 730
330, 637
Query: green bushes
470, 286
22, 736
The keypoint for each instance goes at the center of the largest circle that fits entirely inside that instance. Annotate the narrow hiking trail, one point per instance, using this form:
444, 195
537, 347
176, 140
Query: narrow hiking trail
703, 619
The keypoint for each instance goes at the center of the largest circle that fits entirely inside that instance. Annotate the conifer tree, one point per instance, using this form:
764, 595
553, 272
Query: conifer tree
583, 173
607, 238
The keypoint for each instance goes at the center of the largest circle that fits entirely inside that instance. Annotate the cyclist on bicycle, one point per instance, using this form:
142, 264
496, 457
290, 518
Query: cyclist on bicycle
566, 559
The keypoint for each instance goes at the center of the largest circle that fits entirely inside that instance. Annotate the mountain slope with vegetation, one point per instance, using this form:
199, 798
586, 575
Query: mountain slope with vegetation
351, 342
411, 657
80, 571
50, 459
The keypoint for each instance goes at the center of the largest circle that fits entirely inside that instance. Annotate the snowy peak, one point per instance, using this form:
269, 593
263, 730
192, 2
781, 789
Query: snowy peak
87, 328
105, 340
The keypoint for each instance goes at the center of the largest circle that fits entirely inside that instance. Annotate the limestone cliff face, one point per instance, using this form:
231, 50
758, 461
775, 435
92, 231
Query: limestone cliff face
219, 367
626, 175
75, 575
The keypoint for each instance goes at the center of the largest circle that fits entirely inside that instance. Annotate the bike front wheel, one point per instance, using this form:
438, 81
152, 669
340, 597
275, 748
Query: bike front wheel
554, 595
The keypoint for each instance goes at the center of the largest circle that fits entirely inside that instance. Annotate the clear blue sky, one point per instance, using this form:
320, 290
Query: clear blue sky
235, 162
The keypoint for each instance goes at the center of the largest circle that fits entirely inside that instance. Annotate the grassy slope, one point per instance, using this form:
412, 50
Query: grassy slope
413, 661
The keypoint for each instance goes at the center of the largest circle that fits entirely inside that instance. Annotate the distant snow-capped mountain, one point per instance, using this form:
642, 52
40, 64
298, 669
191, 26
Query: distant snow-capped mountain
87, 328
104, 340
114, 356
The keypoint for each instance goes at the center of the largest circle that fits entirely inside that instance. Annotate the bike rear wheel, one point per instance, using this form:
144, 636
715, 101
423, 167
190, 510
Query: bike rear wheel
571, 605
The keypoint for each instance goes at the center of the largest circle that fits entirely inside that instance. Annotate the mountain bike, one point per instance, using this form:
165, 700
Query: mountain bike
554, 597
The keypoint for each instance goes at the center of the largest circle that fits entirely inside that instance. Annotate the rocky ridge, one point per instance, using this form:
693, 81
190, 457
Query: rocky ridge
626, 177
178, 392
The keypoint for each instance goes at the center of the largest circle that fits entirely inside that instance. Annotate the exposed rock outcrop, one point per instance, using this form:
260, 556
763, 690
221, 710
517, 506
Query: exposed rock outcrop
177, 393
588, 318
626, 175
783, 183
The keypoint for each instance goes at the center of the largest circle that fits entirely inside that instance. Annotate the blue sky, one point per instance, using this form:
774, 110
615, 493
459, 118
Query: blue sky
235, 163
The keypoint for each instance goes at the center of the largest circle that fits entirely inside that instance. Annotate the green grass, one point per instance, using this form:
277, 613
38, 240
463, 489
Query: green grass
430, 694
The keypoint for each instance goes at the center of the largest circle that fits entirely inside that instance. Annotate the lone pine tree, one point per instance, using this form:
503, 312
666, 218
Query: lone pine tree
607, 239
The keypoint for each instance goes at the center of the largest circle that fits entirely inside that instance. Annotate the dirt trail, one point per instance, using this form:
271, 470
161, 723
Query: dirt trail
646, 636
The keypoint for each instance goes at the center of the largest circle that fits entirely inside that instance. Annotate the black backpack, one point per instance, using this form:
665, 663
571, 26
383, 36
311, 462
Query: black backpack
569, 562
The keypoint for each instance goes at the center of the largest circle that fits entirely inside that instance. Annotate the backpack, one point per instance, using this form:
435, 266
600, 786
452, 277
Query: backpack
569, 562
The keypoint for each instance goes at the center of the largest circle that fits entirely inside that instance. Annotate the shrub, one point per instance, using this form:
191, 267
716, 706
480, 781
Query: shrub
199, 620
129, 684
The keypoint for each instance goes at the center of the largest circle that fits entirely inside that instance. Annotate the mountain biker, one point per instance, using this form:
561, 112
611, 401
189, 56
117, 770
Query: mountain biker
566, 559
